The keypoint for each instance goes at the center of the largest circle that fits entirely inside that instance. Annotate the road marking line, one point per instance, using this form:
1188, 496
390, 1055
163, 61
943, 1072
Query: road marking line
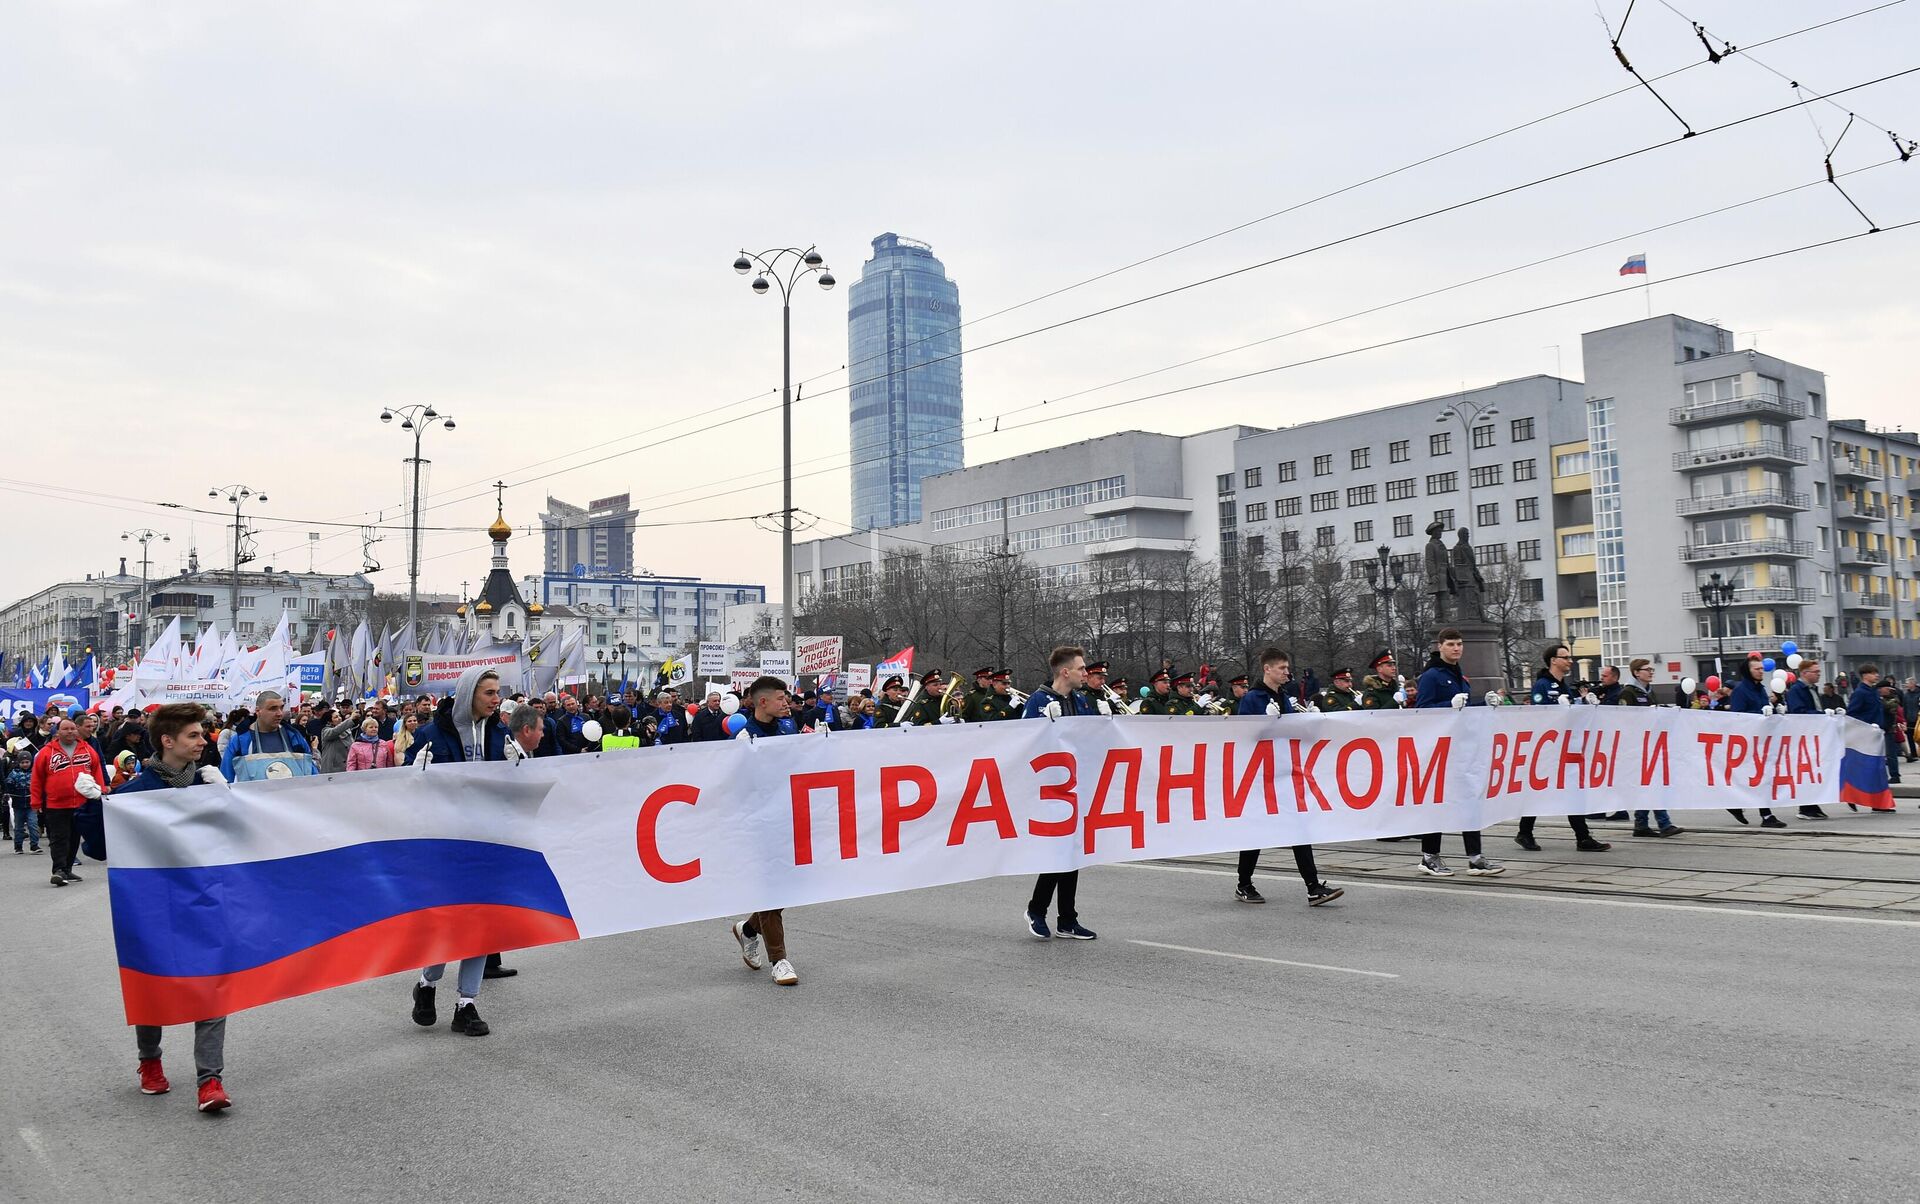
1524, 895
31, 1136
1273, 961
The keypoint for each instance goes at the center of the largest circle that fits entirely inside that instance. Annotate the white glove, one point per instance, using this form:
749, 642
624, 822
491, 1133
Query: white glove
86, 787
515, 754
949, 719
1312, 708
1400, 696
1459, 702
743, 734
1273, 708
211, 775
1205, 701
1492, 699
1106, 708
1592, 700
1052, 709
424, 759
1565, 701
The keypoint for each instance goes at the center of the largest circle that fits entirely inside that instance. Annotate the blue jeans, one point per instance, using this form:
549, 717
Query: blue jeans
1661, 820
471, 968
26, 822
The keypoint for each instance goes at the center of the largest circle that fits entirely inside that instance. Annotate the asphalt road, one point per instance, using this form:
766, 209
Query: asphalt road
1434, 1041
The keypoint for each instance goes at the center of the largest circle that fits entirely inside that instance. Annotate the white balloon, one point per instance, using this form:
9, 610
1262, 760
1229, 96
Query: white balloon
1779, 681
729, 704
591, 730
1687, 684
1795, 661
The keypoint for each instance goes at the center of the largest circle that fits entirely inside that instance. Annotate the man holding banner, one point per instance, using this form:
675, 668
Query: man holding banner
1059, 699
767, 698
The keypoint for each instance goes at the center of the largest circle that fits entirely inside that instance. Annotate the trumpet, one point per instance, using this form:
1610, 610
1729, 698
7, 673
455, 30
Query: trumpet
906, 704
1018, 695
1126, 708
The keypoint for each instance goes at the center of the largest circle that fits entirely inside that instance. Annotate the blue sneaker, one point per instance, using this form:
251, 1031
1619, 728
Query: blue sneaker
1037, 925
1072, 931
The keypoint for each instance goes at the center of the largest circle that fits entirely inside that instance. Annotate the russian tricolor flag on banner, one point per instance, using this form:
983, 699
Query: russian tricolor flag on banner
1636, 265
1863, 768
321, 896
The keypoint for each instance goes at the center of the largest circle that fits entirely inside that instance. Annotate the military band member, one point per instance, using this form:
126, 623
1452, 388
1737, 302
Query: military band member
982, 686
996, 703
1341, 696
1382, 682
926, 709
886, 709
1238, 685
1159, 698
1095, 691
1183, 702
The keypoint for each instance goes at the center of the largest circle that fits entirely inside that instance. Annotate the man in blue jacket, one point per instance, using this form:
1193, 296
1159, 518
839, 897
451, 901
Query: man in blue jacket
1273, 697
1062, 697
1550, 689
466, 727
1803, 698
1866, 705
1443, 686
179, 737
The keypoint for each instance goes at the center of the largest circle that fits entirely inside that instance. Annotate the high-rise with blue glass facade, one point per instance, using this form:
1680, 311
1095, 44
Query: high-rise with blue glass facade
903, 349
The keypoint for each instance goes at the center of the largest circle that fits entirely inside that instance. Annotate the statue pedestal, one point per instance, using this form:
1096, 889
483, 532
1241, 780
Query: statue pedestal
1481, 661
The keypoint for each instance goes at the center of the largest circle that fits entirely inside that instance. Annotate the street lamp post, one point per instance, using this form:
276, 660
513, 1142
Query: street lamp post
772, 264
415, 418
144, 537
600, 654
1467, 413
621, 649
1385, 577
1718, 596
236, 496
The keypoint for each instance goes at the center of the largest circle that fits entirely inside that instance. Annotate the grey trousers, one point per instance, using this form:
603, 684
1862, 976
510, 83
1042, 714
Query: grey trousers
209, 1045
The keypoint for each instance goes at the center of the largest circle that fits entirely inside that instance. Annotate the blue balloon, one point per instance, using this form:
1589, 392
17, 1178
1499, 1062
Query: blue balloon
735, 723
1767, 664
1789, 647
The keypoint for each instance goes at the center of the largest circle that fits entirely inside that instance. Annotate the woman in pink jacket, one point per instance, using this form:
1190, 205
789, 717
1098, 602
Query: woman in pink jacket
369, 751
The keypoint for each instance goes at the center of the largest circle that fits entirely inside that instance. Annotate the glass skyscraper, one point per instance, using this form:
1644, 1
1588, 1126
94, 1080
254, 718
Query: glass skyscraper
902, 317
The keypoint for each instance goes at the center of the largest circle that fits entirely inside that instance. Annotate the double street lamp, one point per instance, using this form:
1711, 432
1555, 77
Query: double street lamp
1386, 577
415, 418
783, 268
1469, 414
144, 537
236, 496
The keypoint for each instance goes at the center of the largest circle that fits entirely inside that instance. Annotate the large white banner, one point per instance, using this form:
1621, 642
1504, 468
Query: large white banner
227, 897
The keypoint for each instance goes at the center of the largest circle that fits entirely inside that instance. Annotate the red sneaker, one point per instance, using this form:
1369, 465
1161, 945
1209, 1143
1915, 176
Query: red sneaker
153, 1080
213, 1097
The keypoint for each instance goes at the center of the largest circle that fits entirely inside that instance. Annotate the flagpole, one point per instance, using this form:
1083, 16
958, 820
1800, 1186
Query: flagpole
1648, 290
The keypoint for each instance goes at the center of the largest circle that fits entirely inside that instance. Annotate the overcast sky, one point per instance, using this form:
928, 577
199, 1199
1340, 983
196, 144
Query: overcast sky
231, 233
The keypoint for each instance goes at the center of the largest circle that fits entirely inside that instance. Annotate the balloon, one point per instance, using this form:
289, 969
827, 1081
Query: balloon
1146, 691
591, 730
1713, 683
1792, 677
1789, 647
728, 705
1795, 660
1400, 696
735, 723
1778, 681
1687, 684
1767, 664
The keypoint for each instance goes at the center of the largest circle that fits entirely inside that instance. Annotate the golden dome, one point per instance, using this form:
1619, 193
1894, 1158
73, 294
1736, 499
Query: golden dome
485, 607
534, 608
460, 609
499, 532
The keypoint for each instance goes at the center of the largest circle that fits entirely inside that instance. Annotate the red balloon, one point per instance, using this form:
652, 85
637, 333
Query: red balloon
1791, 678
1713, 683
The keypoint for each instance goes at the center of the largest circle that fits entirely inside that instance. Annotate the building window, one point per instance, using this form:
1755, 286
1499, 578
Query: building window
1442, 482
1444, 518
1227, 510
1577, 543
1289, 540
1485, 475
1522, 430
1330, 500
1572, 464
1525, 470
1253, 478
1487, 514
1323, 465
1402, 525
1826, 537
1526, 509
1440, 444
1287, 507
1398, 451
1527, 549
1490, 553
246, 603
1400, 490
1361, 457
1363, 532
1323, 537
1287, 472
1361, 495
1533, 589
1483, 435
1223, 483
1256, 512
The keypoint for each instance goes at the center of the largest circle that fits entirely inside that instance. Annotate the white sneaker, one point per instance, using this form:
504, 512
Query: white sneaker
1480, 865
749, 945
1430, 864
783, 973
